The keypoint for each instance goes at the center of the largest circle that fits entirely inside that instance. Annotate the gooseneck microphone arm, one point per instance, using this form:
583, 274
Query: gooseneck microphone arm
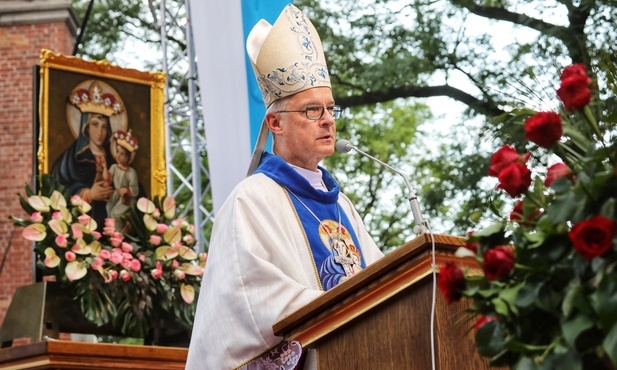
345, 146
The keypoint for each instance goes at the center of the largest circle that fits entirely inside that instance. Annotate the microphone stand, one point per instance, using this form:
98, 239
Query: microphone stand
421, 226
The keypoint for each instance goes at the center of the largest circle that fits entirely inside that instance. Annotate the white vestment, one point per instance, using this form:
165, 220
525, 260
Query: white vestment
259, 270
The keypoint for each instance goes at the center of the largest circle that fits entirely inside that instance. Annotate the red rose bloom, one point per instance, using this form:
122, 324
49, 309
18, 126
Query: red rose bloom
451, 281
517, 214
514, 179
483, 320
544, 129
575, 70
556, 171
498, 262
574, 91
472, 246
503, 157
593, 237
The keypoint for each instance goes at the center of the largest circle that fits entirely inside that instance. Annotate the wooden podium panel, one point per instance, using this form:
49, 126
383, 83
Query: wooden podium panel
381, 318
61, 355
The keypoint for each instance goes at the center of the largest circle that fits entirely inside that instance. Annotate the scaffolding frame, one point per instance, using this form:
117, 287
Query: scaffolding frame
185, 139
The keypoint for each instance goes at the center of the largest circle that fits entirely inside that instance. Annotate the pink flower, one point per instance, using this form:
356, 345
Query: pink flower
127, 256
70, 256
84, 219
96, 234
61, 241
126, 263
155, 240
127, 247
104, 254
125, 275
142, 257
110, 222
36, 217
76, 230
188, 239
175, 264
203, 256
135, 265
179, 274
115, 241
56, 215
113, 274
161, 228
76, 200
156, 213
96, 263
156, 273
107, 230
116, 257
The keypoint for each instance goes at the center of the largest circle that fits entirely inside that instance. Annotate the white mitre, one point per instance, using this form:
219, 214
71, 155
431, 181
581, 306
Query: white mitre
287, 58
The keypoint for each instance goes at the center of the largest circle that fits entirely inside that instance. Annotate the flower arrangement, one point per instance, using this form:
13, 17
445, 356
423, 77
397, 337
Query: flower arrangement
547, 298
130, 280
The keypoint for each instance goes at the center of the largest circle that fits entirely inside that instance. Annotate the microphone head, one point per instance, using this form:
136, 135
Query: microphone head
343, 146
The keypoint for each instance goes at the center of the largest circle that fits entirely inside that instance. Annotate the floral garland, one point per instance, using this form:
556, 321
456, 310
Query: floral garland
130, 281
548, 296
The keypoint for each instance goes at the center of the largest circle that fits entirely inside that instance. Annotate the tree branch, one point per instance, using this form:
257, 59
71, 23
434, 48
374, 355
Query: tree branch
480, 106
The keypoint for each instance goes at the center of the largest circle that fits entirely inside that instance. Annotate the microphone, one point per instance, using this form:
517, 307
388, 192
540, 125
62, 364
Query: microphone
345, 146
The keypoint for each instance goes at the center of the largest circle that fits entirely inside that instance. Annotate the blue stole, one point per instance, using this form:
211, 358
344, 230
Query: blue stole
335, 248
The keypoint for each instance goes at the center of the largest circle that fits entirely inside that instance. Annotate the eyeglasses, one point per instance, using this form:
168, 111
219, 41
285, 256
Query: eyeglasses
315, 112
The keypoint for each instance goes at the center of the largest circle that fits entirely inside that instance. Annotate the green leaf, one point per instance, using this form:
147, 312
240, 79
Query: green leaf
574, 327
489, 339
562, 208
501, 306
610, 344
605, 301
528, 294
495, 228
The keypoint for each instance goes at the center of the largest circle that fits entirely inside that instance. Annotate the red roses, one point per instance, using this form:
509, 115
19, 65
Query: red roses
498, 262
574, 91
594, 237
451, 281
556, 171
510, 169
544, 129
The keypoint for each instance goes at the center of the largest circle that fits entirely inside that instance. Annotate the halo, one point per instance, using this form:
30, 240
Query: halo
73, 114
333, 228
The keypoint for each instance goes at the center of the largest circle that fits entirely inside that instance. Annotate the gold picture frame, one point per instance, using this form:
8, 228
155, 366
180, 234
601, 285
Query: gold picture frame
139, 99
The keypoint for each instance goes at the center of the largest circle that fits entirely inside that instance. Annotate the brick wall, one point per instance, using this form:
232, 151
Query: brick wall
25, 29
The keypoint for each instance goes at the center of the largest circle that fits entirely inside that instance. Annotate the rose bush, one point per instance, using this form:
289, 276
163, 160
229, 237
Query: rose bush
548, 296
130, 281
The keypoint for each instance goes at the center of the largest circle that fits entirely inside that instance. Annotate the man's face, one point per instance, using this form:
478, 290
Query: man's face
301, 141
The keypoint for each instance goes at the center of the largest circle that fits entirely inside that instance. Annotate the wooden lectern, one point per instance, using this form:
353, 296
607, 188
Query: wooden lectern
381, 318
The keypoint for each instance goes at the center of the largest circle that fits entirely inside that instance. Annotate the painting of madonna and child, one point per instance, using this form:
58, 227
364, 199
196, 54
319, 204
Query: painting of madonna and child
98, 136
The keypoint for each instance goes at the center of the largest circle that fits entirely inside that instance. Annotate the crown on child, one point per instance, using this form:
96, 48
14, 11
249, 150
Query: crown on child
94, 100
126, 140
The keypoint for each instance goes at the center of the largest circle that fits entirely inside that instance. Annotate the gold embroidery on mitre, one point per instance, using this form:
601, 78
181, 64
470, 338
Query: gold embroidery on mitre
291, 58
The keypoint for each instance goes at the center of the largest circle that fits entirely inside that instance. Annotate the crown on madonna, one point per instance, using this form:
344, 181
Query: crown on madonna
126, 140
94, 100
